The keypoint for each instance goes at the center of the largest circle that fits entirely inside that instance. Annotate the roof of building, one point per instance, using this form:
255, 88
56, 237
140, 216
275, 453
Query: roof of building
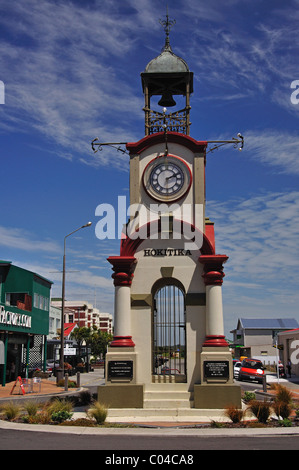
68, 328
9, 263
269, 323
167, 62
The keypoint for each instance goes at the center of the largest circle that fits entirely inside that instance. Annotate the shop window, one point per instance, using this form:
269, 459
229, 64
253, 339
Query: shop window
20, 300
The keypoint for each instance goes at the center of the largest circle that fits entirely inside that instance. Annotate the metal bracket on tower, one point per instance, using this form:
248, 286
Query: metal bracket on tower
238, 143
96, 145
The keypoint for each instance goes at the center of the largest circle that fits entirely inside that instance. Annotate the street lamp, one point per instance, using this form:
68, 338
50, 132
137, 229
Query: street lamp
62, 301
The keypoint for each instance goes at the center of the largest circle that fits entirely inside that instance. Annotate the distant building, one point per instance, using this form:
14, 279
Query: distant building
54, 322
256, 337
84, 314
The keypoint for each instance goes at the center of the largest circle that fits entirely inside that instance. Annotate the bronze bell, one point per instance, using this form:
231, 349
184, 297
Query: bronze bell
167, 100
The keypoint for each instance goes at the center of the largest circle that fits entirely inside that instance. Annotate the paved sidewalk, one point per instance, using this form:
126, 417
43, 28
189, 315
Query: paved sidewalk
46, 387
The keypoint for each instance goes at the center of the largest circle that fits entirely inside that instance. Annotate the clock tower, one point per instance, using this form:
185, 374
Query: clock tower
169, 350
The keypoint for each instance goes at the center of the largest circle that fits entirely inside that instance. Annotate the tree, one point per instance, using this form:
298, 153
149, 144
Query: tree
93, 338
82, 335
100, 341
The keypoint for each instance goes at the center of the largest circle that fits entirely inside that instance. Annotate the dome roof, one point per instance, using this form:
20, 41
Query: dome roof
167, 62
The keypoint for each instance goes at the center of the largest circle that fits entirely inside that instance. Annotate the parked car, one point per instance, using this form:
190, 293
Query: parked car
52, 365
237, 366
251, 369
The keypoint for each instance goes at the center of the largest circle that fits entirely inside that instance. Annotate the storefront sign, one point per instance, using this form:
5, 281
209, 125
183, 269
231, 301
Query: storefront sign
167, 252
120, 369
14, 319
216, 369
70, 351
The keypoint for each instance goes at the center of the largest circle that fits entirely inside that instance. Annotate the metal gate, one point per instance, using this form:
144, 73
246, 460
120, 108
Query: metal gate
169, 333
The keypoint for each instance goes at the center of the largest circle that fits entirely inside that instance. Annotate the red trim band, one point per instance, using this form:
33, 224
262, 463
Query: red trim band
217, 341
195, 146
122, 342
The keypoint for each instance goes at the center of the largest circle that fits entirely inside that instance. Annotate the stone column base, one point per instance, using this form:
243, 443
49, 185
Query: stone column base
218, 396
121, 395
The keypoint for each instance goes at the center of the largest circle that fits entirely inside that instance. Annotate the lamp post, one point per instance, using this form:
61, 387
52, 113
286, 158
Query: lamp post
62, 305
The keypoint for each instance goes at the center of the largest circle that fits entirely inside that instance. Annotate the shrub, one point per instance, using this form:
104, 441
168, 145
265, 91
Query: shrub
216, 424
60, 416
11, 410
260, 409
282, 409
59, 410
71, 383
283, 394
31, 407
60, 405
85, 397
248, 396
98, 412
234, 413
285, 422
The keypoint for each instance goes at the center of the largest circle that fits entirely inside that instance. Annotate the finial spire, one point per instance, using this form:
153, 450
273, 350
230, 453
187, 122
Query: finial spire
167, 25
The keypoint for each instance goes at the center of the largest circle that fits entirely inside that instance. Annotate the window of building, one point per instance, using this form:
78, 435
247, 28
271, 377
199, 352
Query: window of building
21, 300
41, 302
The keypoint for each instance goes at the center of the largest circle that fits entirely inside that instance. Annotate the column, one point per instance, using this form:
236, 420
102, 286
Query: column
123, 267
213, 277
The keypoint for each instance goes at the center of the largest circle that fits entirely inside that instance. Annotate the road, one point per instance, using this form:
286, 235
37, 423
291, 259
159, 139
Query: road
138, 441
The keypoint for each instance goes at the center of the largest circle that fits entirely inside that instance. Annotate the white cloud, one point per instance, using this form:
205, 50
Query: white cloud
59, 78
21, 239
276, 148
260, 236
66, 77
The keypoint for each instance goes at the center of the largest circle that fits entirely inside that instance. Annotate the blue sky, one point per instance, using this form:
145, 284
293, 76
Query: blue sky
71, 71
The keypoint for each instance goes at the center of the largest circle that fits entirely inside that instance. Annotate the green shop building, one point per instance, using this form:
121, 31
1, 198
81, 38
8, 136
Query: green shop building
24, 321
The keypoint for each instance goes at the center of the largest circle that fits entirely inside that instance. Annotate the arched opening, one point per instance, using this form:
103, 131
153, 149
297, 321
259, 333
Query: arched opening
169, 330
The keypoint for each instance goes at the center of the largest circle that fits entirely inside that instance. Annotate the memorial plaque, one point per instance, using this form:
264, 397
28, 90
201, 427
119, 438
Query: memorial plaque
120, 369
216, 369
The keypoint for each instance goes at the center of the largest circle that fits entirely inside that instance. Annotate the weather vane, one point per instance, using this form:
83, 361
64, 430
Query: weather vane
167, 25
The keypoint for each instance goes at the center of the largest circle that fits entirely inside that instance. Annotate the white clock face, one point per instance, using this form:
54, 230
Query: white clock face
167, 178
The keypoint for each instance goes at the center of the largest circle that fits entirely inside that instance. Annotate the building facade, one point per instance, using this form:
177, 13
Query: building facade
24, 320
257, 337
85, 314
